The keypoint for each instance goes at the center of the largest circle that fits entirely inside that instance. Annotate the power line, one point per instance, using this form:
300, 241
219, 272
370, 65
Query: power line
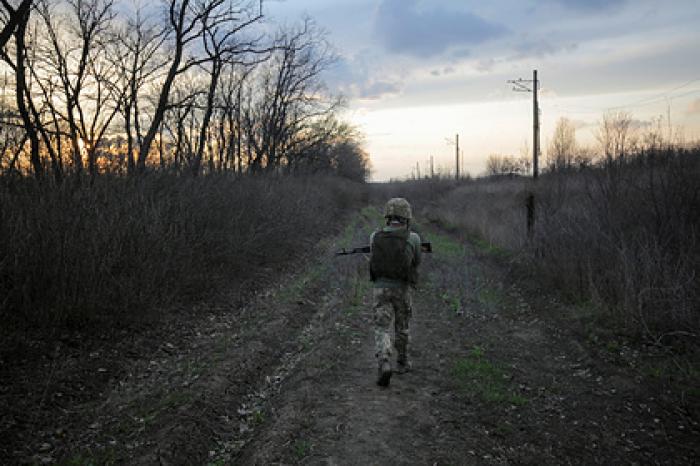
649, 100
652, 99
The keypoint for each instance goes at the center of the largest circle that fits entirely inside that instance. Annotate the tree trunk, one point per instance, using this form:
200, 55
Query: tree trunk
21, 90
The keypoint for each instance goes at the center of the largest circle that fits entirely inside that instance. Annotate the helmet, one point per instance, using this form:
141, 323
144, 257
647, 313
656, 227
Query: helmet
398, 207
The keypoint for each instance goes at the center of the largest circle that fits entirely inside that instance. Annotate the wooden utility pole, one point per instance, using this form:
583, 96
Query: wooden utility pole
432, 171
521, 85
456, 156
418, 170
535, 125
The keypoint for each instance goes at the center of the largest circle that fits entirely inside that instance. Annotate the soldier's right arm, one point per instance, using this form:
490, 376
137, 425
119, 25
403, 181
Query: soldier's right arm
417, 251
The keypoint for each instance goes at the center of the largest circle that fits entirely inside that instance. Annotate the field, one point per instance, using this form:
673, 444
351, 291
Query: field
269, 359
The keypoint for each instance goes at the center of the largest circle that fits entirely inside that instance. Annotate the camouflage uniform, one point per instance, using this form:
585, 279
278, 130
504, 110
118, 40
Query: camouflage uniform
392, 302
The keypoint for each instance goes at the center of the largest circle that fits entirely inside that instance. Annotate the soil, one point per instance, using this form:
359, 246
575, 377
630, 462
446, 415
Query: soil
502, 373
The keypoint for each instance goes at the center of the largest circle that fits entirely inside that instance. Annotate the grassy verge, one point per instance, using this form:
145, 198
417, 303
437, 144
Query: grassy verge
478, 377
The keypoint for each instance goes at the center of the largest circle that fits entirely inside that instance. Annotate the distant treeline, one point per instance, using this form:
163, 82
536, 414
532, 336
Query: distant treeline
195, 87
620, 233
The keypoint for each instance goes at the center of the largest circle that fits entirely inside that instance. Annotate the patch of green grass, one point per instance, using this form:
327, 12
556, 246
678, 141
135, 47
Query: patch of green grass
295, 289
219, 462
677, 369
446, 247
490, 296
613, 346
346, 237
488, 247
477, 376
656, 371
358, 289
149, 413
306, 342
258, 417
680, 374
106, 457
371, 219
371, 213
301, 449
452, 300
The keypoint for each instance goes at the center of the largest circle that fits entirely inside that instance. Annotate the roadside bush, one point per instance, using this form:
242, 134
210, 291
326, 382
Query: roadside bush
121, 247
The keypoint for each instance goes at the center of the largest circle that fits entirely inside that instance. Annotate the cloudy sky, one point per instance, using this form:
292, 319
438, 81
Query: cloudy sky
417, 72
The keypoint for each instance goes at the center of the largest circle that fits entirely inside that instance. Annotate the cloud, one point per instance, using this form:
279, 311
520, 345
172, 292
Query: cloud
591, 5
378, 89
485, 65
358, 76
540, 49
693, 107
444, 71
424, 30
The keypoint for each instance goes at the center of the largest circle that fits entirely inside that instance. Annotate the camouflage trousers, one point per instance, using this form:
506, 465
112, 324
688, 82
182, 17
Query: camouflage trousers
391, 305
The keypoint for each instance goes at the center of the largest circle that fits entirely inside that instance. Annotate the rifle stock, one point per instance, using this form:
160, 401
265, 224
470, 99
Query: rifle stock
425, 246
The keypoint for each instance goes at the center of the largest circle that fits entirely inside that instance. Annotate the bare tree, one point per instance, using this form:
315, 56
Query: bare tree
562, 149
187, 22
497, 164
616, 135
290, 100
22, 94
229, 126
13, 18
222, 47
12, 135
137, 54
75, 77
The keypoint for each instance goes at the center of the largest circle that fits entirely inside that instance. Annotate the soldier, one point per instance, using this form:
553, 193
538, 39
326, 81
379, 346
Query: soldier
395, 256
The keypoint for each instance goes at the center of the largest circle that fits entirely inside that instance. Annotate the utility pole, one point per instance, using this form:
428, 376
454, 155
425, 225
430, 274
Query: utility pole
522, 85
456, 156
418, 170
668, 119
432, 171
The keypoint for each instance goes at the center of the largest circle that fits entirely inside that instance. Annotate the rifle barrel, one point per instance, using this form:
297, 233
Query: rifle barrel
425, 246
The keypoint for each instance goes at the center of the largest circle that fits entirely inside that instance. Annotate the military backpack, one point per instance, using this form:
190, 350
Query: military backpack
392, 256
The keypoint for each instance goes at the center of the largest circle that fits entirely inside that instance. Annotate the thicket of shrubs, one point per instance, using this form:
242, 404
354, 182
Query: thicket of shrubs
623, 234
120, 247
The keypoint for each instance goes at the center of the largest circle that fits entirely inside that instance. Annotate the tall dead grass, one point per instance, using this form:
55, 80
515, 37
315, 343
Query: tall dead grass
623, 235
122, 247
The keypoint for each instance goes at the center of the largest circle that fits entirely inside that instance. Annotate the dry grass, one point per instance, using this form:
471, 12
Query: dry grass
624, 236
119, 248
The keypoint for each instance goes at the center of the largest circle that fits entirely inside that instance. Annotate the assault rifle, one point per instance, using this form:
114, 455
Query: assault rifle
424, 247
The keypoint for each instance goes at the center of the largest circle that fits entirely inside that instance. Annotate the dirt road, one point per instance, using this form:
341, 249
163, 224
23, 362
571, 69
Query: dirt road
502, 374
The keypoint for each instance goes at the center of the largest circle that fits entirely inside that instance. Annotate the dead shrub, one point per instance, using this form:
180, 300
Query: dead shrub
121, 247
623, 234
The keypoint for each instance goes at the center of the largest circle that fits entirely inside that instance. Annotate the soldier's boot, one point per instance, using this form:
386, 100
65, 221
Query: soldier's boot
383, 373
403, 365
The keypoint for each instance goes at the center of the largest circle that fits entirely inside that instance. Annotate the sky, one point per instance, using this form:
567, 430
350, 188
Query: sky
417, 72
